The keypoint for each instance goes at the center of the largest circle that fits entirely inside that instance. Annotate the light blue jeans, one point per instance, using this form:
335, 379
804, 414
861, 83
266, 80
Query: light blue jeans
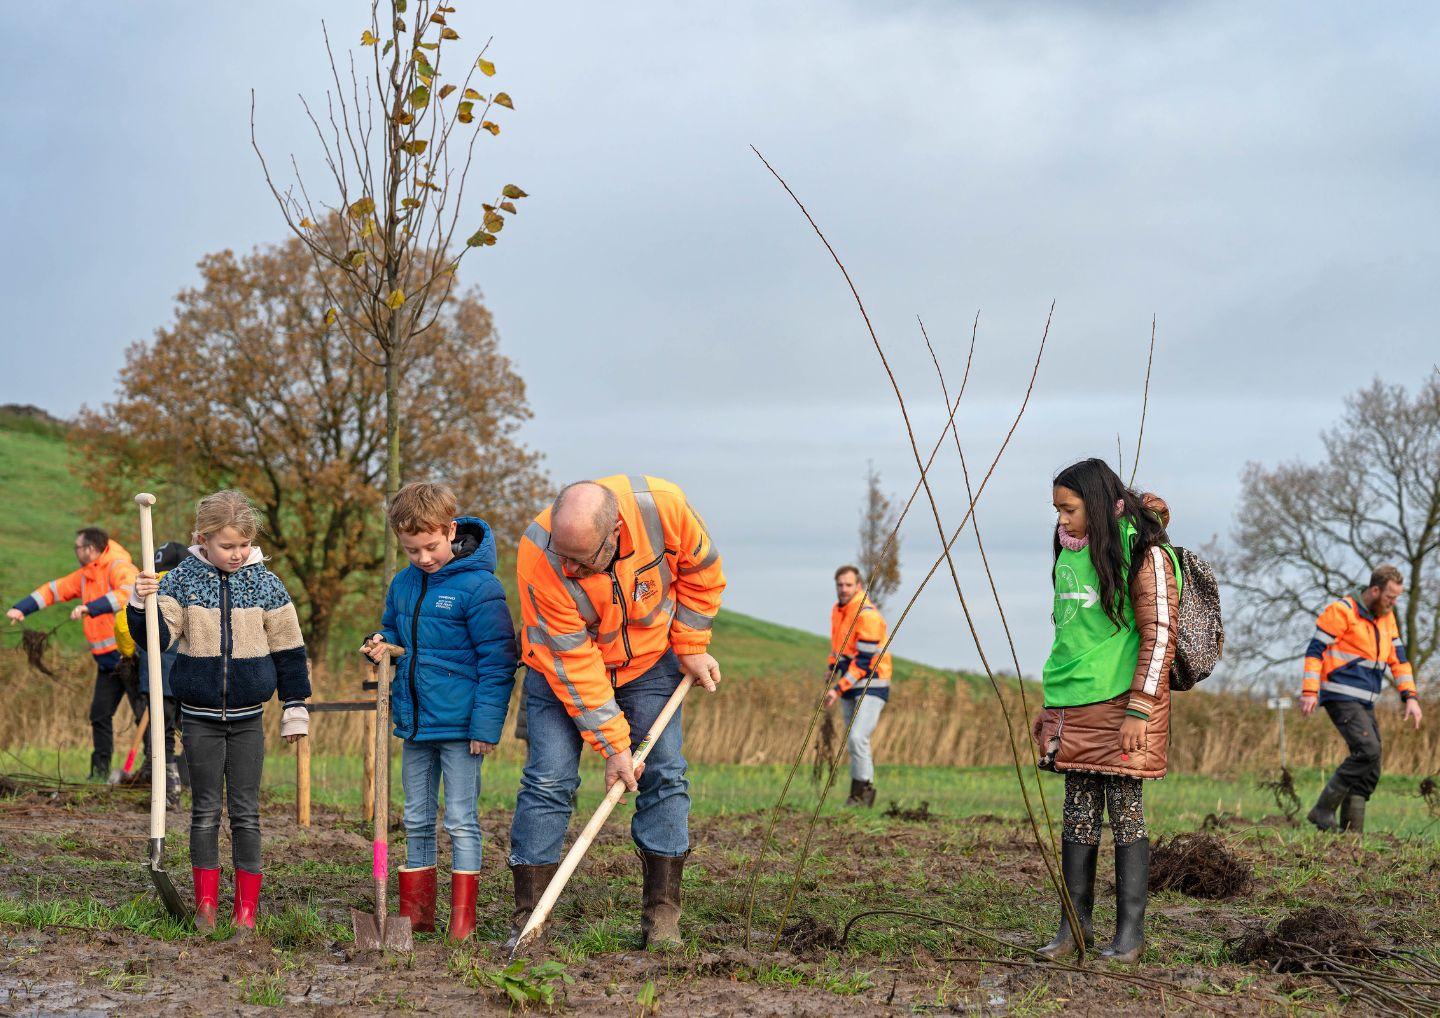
552, 770
862, 765
422, 765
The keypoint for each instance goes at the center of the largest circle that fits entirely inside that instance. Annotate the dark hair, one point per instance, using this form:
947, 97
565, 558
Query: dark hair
94, 537
1100, 488
848, 569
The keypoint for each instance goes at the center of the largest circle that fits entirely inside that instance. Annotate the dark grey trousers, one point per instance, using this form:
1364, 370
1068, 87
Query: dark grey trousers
225, 760
1360, 771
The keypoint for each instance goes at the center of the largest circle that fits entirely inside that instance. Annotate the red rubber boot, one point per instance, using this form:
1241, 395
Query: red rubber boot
463, 887
417, 897
247, 899
207, 897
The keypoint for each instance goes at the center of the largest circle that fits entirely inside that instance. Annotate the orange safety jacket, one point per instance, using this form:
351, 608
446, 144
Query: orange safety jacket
857, 632
590, 636
1349, 652
104, 588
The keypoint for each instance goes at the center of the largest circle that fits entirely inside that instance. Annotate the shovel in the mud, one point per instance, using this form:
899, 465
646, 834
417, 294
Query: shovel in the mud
127, 772
378, 931
174, 904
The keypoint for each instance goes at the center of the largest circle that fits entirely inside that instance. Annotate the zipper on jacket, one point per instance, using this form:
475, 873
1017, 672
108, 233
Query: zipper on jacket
619, 596
224, 643
415, 654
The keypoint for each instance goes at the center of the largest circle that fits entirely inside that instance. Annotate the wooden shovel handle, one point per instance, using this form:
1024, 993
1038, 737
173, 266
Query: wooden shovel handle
155, 684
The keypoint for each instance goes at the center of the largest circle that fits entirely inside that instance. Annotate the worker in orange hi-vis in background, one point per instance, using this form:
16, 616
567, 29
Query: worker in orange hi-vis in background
619, 585
1355, 640
102, 586
857, 632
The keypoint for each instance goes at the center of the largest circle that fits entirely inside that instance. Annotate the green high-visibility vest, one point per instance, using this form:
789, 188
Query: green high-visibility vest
1091, 659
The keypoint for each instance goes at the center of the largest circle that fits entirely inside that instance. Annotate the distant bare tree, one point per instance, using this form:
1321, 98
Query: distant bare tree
1306, 534
879, 565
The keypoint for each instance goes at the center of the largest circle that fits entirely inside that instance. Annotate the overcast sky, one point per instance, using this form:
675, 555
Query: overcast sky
1262, 178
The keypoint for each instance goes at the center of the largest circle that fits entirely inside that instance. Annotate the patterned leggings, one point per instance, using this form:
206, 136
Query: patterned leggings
1087, 796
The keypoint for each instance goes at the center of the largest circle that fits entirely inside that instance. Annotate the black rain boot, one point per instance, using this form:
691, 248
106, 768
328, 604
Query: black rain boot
1132, 891
530, 884
1352, 817
1077, 867
1331, 796
660, 906
862, 793
99, 768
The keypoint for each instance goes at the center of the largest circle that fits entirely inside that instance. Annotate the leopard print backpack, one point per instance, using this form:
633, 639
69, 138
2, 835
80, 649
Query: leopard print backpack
1200, 628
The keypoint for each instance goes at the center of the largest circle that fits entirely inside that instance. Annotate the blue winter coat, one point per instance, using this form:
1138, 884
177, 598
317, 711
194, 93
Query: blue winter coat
455, 679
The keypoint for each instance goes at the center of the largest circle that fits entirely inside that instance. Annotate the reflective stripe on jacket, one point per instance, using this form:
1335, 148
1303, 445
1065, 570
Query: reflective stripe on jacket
589, 635
1349, 652
857, 632
103, 586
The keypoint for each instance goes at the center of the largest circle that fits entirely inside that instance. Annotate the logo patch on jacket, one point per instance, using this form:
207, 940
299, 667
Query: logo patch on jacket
445, 602
643, 589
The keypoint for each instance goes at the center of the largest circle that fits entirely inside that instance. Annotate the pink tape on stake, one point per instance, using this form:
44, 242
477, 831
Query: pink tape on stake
382, 861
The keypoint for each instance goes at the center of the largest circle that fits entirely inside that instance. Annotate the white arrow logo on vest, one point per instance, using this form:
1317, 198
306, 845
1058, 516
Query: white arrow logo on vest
1089, 596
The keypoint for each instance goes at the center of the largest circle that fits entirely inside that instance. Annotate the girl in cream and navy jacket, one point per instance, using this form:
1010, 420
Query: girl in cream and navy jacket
239, 643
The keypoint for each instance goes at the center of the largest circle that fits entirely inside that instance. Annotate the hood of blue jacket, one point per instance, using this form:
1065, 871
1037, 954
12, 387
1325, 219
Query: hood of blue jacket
474, 546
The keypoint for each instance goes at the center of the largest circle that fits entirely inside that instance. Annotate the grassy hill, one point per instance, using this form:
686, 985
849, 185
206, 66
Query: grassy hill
44, 505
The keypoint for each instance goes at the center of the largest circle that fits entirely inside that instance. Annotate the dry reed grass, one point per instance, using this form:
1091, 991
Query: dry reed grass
932, 721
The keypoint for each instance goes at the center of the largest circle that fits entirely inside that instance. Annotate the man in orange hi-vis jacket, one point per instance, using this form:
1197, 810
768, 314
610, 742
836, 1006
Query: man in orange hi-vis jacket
1356, 640
102, 585
857, 634
619, 584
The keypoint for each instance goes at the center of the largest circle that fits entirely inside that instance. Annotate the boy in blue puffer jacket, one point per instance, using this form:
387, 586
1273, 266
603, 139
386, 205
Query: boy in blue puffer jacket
451, 690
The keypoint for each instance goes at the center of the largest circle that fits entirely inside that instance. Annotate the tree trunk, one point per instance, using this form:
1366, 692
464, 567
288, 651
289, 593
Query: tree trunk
392, 464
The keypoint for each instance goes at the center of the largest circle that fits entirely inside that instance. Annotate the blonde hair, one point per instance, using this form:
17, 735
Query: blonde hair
230, 508
423, 508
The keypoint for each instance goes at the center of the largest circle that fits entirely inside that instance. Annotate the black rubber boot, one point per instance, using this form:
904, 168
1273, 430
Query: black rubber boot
1322, 815
1132, 891
1077, 866
862, 793
660, 914
530, 884
1352, 817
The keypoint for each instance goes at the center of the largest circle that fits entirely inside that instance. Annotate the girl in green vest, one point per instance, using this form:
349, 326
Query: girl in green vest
1106, 719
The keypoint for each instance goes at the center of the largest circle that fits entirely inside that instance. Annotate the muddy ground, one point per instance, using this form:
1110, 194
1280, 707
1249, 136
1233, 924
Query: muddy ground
81, 932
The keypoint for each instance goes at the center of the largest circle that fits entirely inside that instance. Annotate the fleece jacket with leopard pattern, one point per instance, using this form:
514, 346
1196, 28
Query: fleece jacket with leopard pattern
238, 638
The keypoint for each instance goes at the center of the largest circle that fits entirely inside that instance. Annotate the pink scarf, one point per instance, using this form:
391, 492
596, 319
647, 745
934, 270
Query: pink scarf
1081, 543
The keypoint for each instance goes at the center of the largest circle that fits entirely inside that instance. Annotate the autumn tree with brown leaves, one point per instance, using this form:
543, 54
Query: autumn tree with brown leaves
247, 388
386, 231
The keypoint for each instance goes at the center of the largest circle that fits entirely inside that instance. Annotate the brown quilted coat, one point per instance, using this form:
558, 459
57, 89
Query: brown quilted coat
1087, 738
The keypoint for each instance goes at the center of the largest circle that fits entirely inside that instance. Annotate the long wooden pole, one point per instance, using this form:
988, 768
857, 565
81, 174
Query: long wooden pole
369, 765
302, 782
582, 843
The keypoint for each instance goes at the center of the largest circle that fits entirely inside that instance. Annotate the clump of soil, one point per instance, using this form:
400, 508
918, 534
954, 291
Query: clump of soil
921, 813
1199, 865
806, 933
1302, 941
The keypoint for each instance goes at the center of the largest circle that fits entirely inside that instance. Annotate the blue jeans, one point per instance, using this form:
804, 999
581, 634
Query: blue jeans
661, 825
422, 764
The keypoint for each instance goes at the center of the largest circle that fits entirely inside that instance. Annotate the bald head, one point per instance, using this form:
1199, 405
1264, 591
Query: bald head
584, 517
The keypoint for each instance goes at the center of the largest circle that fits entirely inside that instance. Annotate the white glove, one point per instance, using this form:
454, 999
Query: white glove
295, 721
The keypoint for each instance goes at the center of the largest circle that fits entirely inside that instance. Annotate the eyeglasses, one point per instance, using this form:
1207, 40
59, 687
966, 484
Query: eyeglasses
590, 563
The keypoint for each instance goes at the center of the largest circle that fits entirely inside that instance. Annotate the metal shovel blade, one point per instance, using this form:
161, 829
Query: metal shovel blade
174, 904
396, 935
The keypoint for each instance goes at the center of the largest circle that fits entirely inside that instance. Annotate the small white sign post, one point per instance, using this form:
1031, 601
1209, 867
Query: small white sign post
1280, 704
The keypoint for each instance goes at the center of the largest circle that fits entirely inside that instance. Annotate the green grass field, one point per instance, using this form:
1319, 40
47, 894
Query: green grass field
1177, 803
